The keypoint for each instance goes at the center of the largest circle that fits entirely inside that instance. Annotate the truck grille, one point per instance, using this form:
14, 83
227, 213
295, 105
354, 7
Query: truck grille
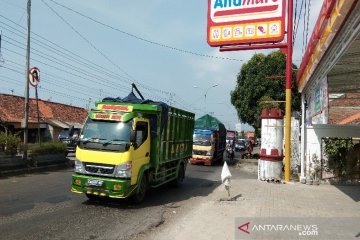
99, 169
199, 152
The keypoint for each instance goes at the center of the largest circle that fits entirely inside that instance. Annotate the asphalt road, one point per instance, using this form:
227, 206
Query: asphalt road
41, 206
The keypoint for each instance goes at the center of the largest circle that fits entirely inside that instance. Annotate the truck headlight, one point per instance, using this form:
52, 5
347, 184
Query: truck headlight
79, 167
209, 153
123, 170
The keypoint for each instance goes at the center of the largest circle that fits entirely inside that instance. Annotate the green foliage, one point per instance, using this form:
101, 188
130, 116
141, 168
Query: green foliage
336, 150
48, 148
253, 85
9, 143
267, 102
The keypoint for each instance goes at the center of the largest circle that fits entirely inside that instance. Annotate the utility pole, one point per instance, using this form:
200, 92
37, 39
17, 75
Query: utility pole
288, 92
26, 115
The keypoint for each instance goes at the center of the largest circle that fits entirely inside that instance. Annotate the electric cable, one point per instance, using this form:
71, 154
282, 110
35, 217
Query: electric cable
141, 38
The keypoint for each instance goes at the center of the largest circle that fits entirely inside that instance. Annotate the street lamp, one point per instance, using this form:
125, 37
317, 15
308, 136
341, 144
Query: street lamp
206, 92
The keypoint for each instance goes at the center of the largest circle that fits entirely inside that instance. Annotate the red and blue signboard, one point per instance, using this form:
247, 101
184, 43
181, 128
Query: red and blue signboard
235, 22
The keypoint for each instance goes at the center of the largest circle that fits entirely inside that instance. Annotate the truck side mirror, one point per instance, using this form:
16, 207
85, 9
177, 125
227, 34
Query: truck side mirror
71, 131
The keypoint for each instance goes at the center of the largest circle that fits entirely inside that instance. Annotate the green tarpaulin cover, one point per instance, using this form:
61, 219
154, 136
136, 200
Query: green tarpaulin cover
209, 122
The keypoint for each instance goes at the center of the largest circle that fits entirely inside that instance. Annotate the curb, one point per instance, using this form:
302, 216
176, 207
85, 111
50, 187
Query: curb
22, 171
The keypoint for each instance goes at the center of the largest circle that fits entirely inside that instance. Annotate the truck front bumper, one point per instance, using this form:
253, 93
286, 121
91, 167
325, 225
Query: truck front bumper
105, 187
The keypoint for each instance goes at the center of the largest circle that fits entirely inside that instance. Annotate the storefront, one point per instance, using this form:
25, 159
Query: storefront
329, 81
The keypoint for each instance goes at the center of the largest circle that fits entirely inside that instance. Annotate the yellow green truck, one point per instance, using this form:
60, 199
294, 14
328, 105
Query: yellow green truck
130, 145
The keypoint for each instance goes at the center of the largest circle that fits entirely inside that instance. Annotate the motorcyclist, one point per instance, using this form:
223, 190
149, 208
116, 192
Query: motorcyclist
249, 147
230, 150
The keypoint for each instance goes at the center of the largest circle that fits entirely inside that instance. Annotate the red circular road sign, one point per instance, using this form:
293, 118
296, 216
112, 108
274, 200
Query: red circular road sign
34, 76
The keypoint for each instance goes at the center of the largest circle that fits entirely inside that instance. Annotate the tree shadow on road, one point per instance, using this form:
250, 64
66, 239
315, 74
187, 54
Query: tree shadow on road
352, 191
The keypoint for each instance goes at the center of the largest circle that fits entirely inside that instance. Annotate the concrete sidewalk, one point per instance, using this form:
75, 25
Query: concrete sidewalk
215, 219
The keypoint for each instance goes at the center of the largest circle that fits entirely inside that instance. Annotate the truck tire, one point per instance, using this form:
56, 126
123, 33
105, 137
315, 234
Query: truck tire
140, 194
180, 176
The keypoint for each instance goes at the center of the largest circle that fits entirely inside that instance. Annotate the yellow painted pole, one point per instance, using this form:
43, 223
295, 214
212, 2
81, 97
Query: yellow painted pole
288, 91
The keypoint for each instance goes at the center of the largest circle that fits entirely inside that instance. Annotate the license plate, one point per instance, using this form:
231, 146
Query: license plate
95, 182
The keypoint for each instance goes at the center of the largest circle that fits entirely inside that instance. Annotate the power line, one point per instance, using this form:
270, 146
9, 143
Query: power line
65, 71
304, 28
296, 26
62, 63
100, 68
14, 5
141, 38
15, 43
13, 82
56, 83
88, 41
86, 63
96, 49
308, 20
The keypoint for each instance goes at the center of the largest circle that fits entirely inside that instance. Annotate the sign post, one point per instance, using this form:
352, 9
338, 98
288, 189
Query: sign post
235, 25
34, 78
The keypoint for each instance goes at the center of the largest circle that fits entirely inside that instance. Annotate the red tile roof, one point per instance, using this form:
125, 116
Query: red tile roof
345, 109
12, 110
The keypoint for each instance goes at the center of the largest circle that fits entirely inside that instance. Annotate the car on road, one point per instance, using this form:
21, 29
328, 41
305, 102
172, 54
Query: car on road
240, 145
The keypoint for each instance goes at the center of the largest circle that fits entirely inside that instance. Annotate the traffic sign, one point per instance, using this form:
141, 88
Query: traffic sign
34, 76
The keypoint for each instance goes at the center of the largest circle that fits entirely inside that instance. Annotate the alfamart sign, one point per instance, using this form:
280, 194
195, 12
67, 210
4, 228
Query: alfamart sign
232, 22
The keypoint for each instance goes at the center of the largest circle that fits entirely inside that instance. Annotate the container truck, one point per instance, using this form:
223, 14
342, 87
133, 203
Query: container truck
209, 140
129, 145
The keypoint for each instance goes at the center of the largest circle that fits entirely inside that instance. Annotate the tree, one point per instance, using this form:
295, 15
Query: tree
253, 86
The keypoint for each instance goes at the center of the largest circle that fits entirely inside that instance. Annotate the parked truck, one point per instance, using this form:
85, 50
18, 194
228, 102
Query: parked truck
209, 140
128, 145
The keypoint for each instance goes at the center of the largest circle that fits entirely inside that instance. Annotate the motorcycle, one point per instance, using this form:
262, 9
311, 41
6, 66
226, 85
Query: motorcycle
248, 152
230, 152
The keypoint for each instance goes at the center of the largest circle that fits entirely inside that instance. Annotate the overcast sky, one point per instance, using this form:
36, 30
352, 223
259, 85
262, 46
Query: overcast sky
159, 44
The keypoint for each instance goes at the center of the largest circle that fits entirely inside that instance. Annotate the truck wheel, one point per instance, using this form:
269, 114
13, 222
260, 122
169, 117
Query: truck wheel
140, 194
180, 177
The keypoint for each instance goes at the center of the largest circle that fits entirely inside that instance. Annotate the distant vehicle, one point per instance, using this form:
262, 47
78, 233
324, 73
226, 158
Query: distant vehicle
240, 145
230, 151
230, 137
250, 136
209, 140
70, 141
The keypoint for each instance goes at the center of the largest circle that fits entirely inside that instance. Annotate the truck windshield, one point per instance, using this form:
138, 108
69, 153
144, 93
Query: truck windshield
106, 132
202, 139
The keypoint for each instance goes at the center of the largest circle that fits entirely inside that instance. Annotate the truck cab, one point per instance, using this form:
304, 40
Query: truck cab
204, 145
111, 145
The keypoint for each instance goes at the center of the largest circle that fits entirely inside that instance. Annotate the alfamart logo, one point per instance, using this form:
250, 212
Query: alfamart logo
300, 229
